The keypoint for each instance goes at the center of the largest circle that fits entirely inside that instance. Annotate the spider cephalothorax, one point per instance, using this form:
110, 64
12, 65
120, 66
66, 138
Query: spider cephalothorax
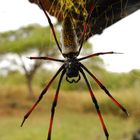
72, 67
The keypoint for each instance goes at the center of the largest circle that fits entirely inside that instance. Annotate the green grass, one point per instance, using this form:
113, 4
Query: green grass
67, 126
75, 119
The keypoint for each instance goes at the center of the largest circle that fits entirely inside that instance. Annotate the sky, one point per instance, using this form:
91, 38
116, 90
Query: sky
124, 36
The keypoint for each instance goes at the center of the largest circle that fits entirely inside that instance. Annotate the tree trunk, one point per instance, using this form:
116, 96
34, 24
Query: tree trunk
30, 88
29, 74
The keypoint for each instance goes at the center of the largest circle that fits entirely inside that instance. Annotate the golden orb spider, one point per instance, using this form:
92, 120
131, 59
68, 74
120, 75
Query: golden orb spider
71, 65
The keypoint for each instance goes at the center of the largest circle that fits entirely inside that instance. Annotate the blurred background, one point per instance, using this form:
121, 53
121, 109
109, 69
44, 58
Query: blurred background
24, 32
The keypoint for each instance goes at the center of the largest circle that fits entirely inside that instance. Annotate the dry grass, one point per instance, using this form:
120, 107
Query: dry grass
15, 98
74, 116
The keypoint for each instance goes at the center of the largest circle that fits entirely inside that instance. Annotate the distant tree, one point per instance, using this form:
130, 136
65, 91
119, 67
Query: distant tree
32, 38
39, 40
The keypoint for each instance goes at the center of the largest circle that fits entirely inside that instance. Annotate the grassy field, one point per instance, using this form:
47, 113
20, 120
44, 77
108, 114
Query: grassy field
67, 126
75, 119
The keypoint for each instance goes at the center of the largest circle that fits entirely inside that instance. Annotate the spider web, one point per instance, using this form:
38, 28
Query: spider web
58, 8
108, 12
105, 13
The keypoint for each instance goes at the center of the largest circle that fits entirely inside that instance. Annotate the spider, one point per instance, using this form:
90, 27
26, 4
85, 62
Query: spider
72, 67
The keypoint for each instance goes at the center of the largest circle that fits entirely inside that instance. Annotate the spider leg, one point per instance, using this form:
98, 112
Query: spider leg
46, 58
95, 103
86, 23
54, 105
51, 25
41, 95
97, 54
104, 89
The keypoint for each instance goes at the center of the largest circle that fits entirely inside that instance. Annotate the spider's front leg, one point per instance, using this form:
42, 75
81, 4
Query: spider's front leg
95, 103
54, 105
105, 90
41, 95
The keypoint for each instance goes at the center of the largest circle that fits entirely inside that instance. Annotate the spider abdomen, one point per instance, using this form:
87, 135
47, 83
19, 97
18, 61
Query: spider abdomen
69, 37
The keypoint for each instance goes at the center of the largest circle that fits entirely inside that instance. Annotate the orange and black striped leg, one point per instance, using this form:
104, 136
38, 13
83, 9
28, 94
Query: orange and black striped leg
41, 95
96, 104
51, 25
105, 89
86, 23
54, 105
